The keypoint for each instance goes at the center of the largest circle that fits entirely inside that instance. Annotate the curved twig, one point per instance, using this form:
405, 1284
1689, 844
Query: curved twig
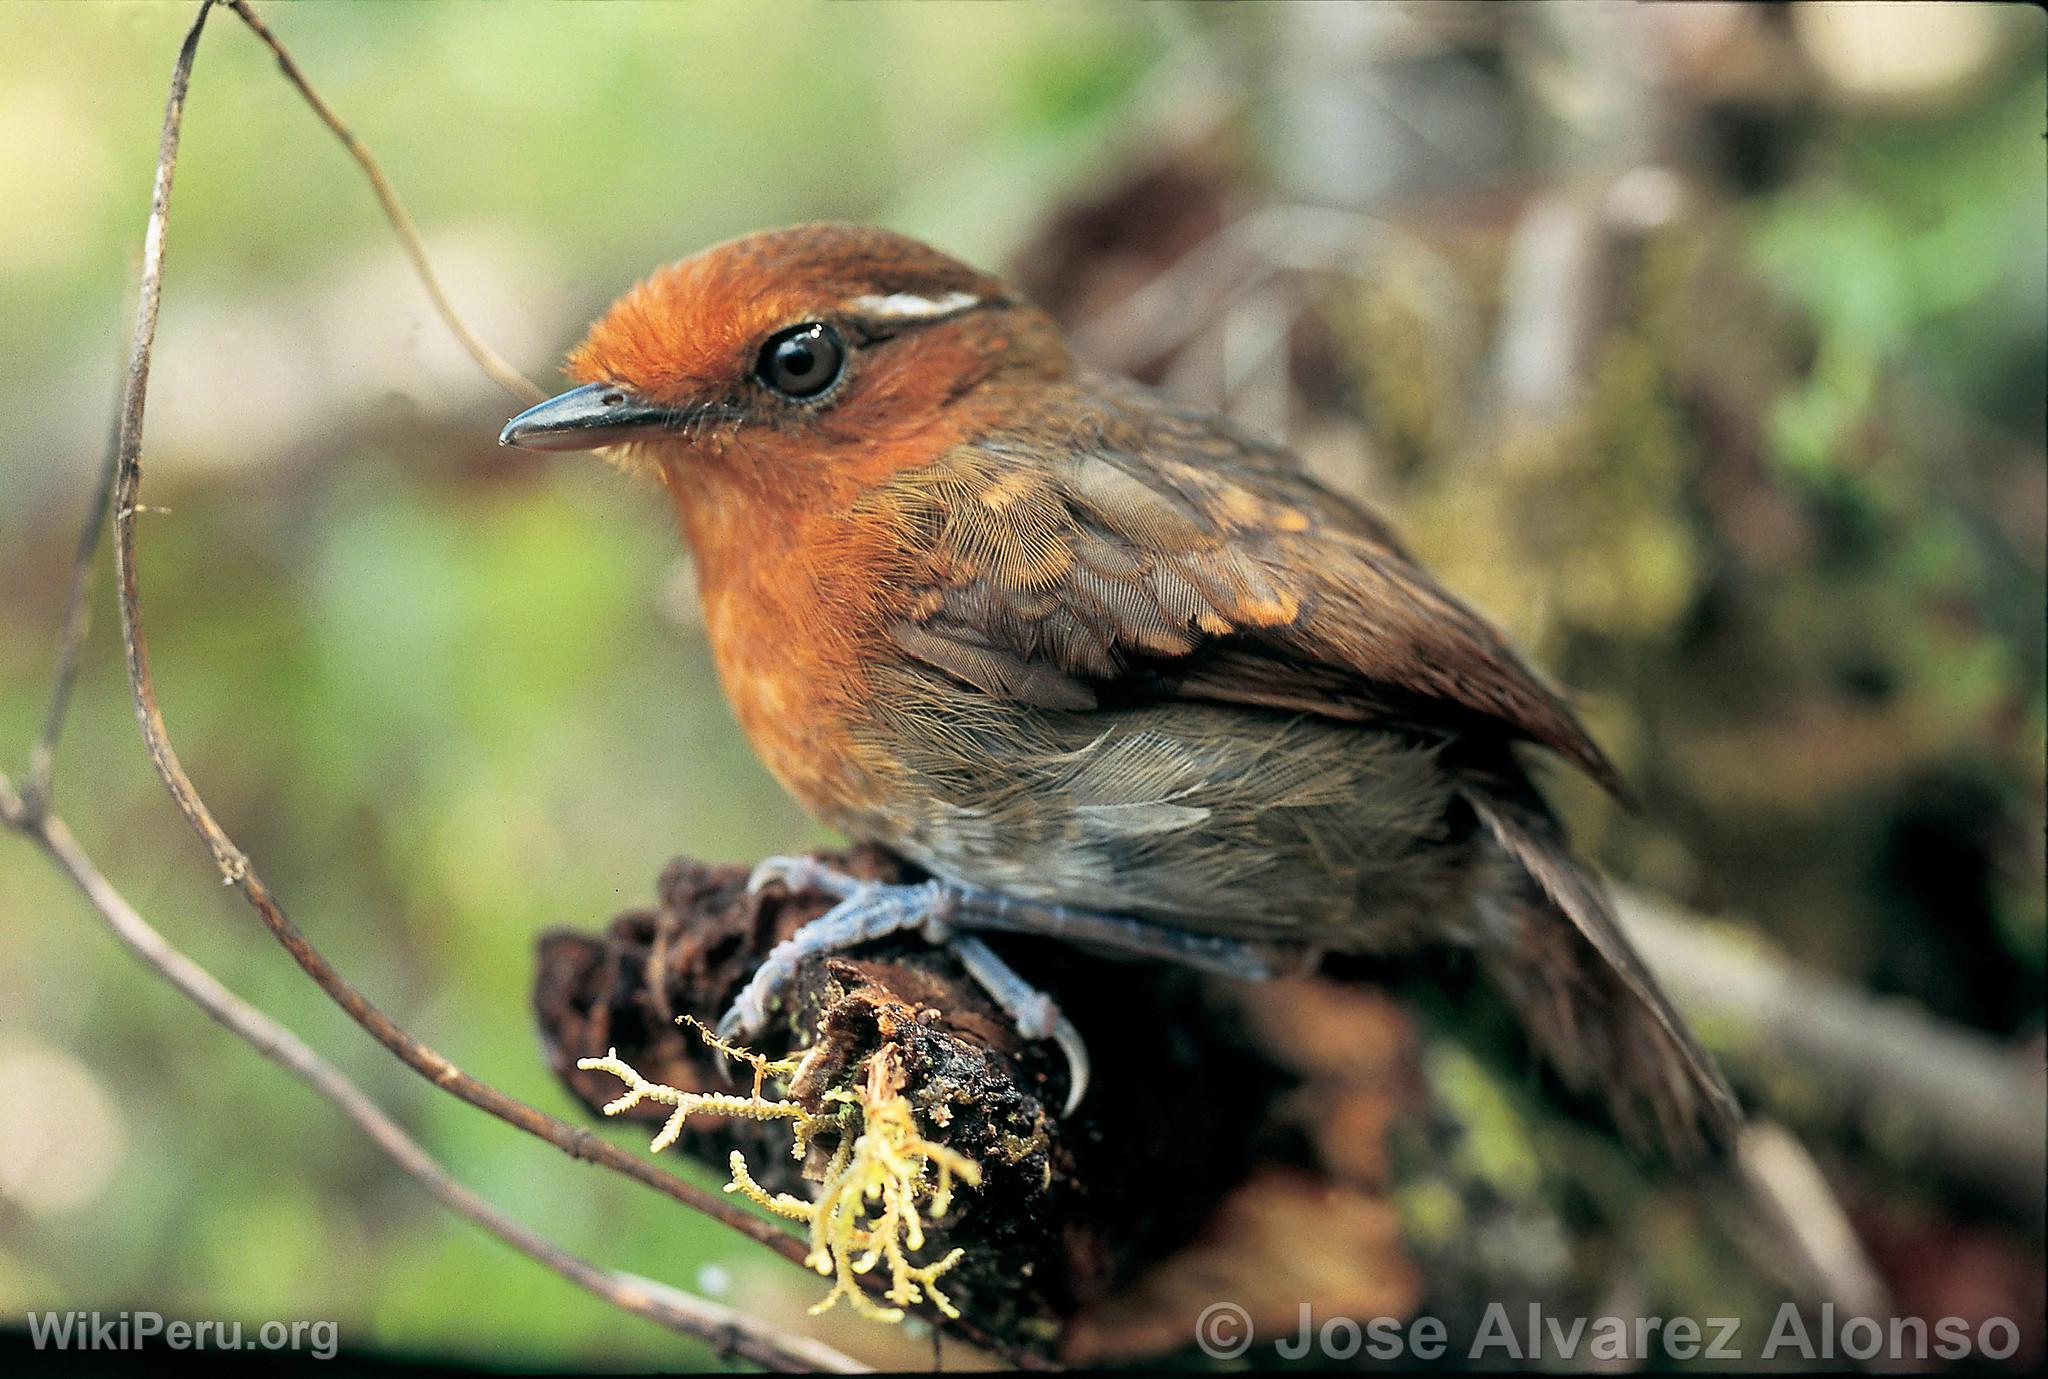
487, 359
42, 755
234, 866
1975, 1106
729, 1330
28, 812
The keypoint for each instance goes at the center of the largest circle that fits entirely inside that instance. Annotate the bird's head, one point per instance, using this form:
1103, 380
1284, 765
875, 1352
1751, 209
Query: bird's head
795, 353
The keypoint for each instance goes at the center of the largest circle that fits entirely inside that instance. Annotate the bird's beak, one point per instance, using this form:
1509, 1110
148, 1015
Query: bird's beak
586, 418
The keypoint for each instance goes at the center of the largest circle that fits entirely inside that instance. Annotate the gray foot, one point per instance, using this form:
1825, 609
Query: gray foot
943, 911
867, 911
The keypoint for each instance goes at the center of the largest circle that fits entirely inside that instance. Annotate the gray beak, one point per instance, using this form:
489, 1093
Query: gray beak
586, 418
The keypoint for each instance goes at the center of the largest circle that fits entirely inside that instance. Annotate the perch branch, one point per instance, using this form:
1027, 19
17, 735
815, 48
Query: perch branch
730, 1331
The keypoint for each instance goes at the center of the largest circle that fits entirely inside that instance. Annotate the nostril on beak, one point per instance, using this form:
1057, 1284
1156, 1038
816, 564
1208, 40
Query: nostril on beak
586, 418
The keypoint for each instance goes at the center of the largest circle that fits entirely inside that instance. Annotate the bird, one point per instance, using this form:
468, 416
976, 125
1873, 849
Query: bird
1102, 665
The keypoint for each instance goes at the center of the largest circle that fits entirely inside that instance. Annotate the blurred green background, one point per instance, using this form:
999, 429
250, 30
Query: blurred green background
1707, 352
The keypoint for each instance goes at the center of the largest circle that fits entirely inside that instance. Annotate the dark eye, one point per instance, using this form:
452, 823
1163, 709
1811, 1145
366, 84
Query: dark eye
802, 361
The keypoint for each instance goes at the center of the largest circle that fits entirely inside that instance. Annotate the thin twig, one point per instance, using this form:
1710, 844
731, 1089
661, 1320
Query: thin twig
42, 755
234, 867
487, 359
233, 864
729, 1330
28, 812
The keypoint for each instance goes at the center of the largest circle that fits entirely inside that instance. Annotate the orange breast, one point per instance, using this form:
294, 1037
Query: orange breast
793, 606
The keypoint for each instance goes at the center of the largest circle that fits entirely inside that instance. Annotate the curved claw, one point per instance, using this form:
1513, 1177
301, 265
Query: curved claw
866, 911
1034, 1013
940, 911
1069, 1039
747, 1016
744, 1018
1044, 1020
1049, 1023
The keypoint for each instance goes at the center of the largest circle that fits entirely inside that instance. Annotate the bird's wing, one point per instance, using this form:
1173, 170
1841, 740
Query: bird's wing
1134, 552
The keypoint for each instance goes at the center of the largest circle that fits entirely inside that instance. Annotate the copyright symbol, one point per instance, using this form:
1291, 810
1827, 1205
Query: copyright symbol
1223, 1331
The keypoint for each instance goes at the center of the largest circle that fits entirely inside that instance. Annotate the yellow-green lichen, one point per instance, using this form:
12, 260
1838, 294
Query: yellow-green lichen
883, 1184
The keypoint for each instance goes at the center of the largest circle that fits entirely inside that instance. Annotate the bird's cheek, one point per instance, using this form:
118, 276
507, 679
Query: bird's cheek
883, 435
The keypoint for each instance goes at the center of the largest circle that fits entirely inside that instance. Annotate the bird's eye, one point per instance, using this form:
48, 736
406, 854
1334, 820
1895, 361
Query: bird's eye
802, 361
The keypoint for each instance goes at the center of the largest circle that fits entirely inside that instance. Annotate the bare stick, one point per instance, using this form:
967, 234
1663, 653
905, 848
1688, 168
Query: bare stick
730, 1331
34, 793
487, 359
233, 865
42, 756
28, 812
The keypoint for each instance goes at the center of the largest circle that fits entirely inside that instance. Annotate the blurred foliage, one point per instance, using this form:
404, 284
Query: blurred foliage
1787, 542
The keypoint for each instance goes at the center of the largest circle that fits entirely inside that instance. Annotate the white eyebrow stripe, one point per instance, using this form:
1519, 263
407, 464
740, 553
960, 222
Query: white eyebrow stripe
908, 306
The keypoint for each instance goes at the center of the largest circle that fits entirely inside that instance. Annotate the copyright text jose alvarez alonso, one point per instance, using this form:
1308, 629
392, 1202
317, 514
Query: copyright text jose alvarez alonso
1528, 1335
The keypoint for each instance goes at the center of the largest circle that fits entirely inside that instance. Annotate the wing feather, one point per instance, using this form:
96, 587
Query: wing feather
1163, 554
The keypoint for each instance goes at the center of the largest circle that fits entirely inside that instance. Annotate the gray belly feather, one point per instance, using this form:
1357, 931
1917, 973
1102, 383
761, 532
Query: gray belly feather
1227, 820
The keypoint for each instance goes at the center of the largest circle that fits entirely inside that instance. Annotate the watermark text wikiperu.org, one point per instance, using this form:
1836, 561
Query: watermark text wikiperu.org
90, 1332
1530, 1335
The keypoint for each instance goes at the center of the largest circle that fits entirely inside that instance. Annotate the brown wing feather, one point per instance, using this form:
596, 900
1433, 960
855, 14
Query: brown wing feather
1131, 550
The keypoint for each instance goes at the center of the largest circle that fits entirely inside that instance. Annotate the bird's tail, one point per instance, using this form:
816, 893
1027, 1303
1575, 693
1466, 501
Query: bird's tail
1587, 1000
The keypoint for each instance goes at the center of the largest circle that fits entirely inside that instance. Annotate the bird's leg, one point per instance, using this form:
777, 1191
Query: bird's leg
867, 911
978, 908
1228, 957
940, 909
